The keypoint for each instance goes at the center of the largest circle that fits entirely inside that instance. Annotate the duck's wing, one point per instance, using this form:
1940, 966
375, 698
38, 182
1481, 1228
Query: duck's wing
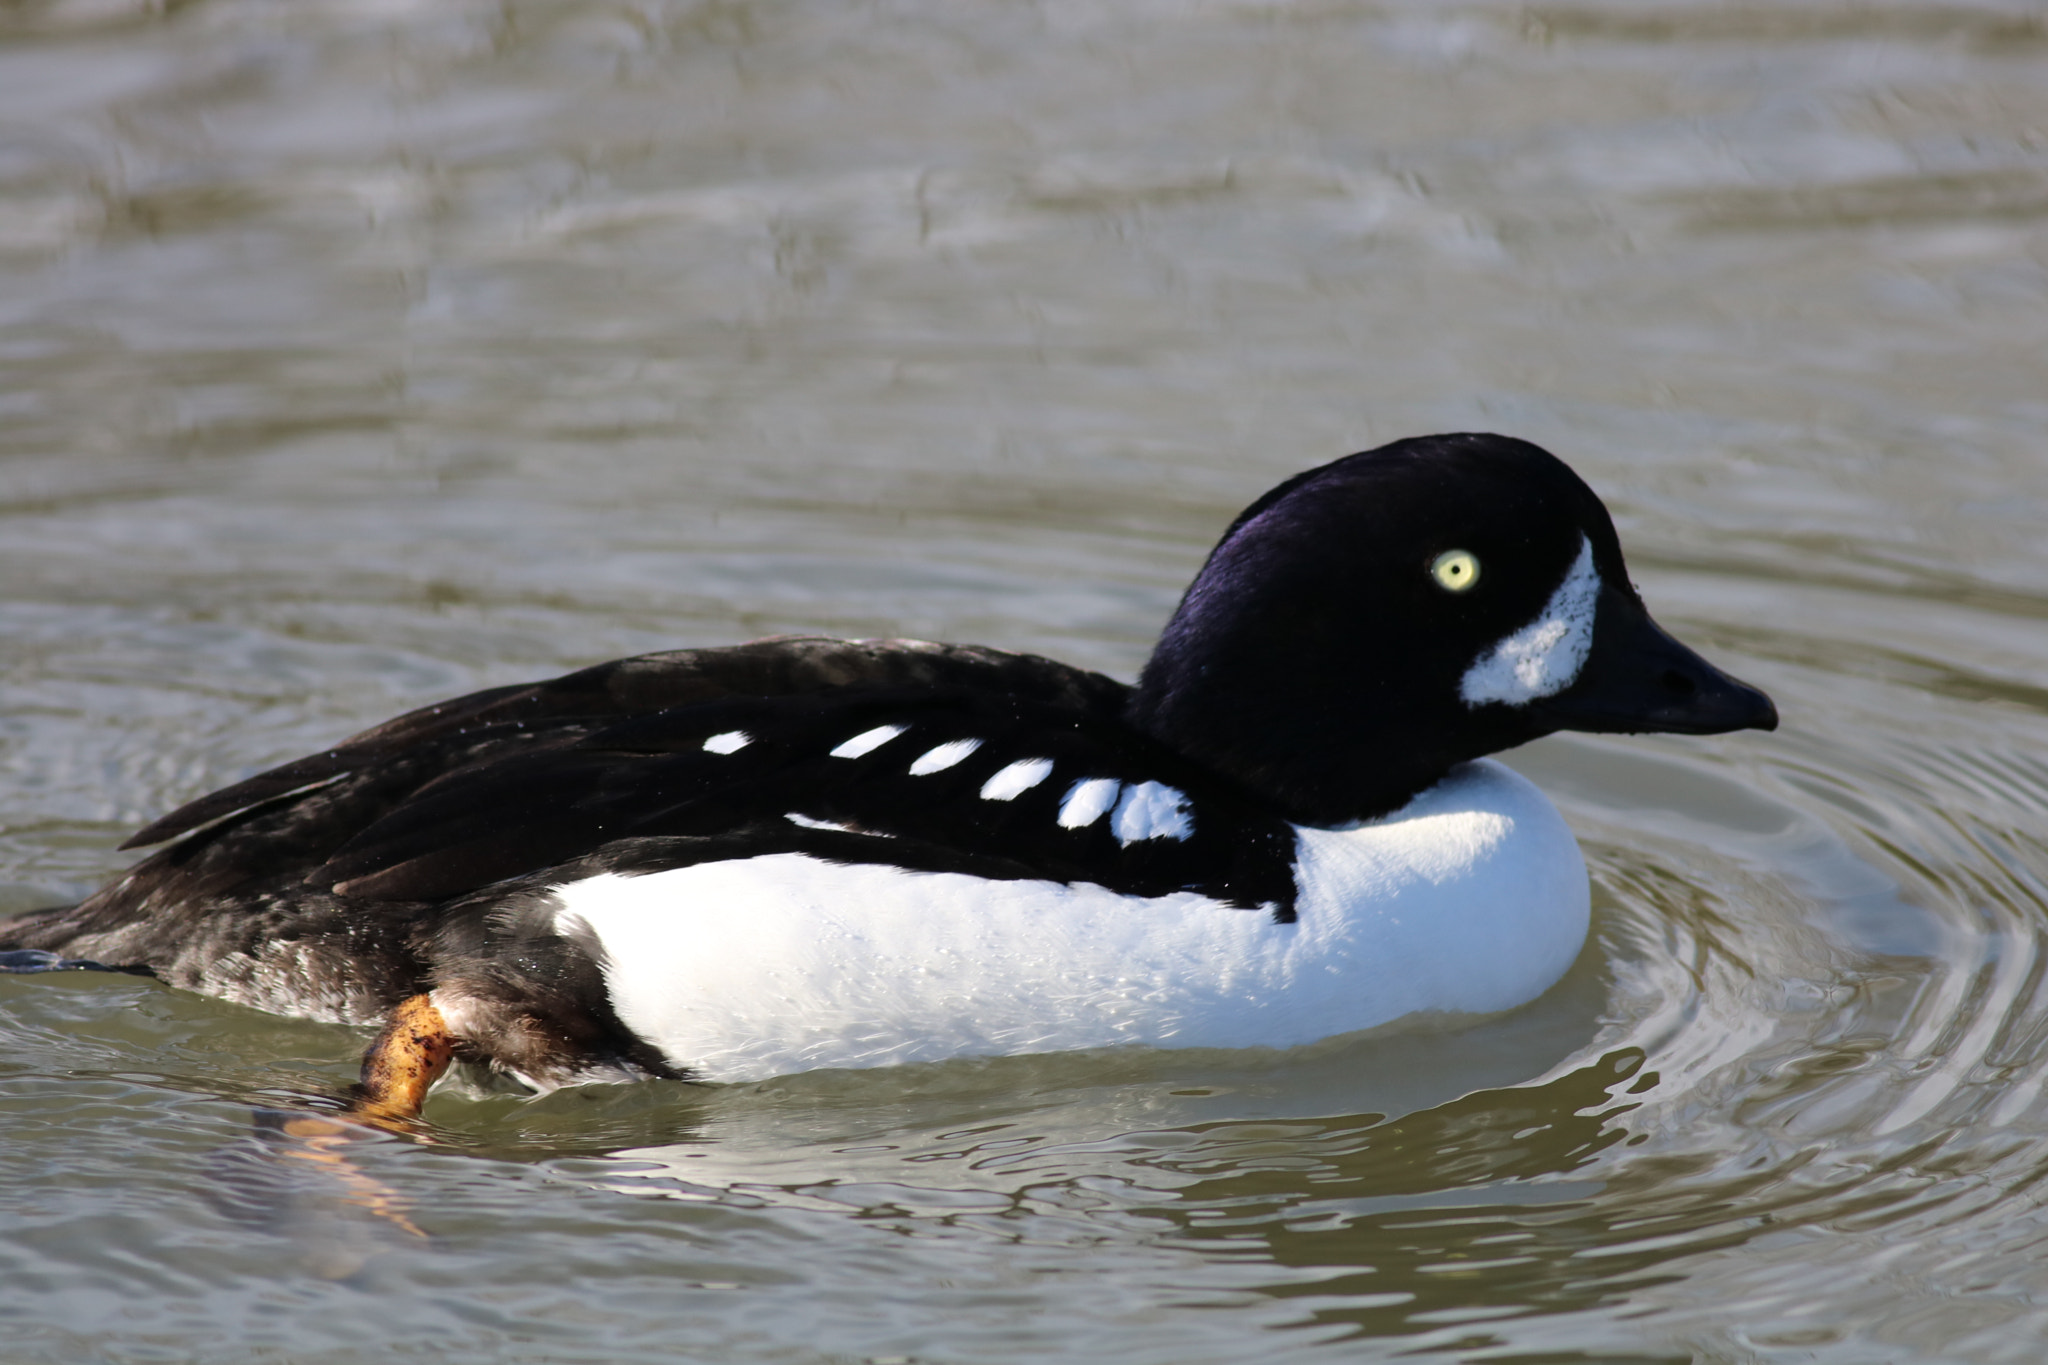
422, 745
269, 835
956, 780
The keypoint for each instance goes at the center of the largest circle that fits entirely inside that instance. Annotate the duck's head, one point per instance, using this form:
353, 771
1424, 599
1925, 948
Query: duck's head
1369, 624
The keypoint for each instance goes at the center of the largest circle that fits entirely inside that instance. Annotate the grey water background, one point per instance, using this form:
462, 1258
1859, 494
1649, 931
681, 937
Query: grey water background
358, 353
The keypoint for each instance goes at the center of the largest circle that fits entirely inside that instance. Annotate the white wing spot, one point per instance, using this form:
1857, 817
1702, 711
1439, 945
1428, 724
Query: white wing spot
806, 822
1152, 810
1087, 800
1015, 780
943, 757
1545, 656
867, 741
728, 742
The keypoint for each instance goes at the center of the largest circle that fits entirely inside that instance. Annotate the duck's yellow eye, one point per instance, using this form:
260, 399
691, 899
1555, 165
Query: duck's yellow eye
1455, 570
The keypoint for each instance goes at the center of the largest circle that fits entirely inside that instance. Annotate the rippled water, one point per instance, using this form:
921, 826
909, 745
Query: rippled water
353, 355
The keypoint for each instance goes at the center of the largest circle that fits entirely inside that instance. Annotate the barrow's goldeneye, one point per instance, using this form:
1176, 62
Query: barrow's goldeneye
802, 852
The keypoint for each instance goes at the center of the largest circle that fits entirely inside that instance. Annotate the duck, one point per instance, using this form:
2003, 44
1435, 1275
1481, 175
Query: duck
728, 864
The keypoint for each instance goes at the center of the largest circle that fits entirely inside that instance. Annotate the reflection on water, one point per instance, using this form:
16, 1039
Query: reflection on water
355, 357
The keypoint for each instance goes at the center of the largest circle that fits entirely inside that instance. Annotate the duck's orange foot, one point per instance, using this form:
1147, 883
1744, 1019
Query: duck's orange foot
412, 1052
401, 1065
322, 1142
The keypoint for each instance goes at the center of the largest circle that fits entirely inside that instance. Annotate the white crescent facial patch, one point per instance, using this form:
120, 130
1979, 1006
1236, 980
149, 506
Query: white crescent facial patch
1545, 656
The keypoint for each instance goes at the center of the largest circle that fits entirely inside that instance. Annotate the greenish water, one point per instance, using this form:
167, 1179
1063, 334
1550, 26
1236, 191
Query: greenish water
356, 355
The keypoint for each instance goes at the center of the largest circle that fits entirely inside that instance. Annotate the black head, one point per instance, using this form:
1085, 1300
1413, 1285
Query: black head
1369, 624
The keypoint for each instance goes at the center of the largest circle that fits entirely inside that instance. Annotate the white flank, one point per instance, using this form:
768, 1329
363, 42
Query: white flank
1472, 899
1087, 801
1545, 656
1019, 777
943, 757
729, 742
1152, 810
867, 741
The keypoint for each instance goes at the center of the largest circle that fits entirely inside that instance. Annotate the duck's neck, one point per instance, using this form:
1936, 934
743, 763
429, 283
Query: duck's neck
1323, 746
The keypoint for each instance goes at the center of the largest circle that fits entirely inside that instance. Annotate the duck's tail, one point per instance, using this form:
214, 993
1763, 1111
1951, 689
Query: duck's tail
35, 929
34, 942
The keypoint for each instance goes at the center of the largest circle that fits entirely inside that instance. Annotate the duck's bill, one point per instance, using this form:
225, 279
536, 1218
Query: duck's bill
1637, 679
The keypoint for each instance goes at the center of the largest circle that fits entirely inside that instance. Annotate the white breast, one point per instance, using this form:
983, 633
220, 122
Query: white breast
1473, 898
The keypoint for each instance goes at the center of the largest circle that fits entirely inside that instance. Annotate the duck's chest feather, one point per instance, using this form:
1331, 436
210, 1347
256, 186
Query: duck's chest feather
1473, 898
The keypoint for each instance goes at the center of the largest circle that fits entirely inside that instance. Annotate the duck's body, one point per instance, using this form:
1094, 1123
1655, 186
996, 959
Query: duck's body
727, 864
1471, 899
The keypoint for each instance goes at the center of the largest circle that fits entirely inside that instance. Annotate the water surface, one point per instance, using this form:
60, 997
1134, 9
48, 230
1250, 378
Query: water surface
354, 355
